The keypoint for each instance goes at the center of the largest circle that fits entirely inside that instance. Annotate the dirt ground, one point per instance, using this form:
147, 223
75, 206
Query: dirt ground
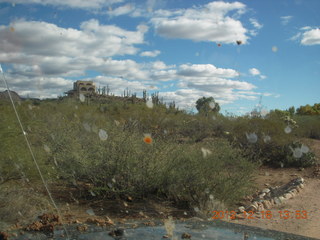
307, 200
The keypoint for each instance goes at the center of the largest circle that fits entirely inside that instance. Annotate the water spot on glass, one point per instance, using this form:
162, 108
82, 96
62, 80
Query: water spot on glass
24, 133
212, 105
127, 211
147, 138
214, 118
274, 49
287, 129
304, 149
207, 191
266, 139
196, 209
297, 153
109, 185
264, 112
165, 131
46, 148
87, 127
90, 212
211, 197
185, 213
227, 133
205, 152
103, 135
281, 164
92, 194
82, 97
113, 180
252, 137
149, 103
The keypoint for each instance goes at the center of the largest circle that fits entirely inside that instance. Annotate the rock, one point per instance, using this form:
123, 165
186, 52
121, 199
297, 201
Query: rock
267, 204
117, 232
277, 201
282, 199
301, 185
266, 190
4, 236
260, 207
261, 196
186, 236
288, 195
241, 209
252, 208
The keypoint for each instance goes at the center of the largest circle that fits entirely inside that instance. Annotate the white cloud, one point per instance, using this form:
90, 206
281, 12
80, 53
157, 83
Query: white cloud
87, 4
254, 71
307, 36
285, 19
255, 23
209, 22
40, 56
122, 10
311, 37
150, 53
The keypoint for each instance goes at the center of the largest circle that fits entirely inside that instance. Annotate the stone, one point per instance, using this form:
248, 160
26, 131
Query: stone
261, 196
301, 185
288, 195
277, 201
282, 199
267, 204
241, 209
252, 208
266, 190
260, 207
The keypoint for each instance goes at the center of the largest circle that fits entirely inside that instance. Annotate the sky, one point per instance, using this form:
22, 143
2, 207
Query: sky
244, 54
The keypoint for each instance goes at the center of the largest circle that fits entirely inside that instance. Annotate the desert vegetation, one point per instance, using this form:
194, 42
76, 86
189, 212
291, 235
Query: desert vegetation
198, 159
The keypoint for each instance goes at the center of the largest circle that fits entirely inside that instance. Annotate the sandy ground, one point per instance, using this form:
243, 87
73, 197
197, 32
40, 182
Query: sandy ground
307, 200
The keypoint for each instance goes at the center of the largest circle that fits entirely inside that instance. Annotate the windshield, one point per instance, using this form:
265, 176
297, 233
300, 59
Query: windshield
122, 117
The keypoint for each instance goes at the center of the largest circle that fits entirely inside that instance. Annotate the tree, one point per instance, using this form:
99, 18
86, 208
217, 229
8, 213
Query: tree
207, 105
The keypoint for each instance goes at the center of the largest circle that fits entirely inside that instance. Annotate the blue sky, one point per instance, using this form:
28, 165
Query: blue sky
183, 49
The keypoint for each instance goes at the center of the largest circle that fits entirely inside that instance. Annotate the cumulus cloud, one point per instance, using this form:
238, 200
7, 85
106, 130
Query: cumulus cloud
41, 56
308, 36
210, 22
285, 19
92, 4
254, 71
150, 53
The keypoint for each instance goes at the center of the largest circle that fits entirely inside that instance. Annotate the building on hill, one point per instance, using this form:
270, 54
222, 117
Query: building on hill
5, 95
82, 87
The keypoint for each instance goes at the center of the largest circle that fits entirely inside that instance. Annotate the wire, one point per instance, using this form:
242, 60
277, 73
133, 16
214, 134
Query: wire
31, 151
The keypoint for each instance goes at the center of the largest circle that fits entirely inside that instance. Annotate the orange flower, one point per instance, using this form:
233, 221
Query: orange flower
147, 139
